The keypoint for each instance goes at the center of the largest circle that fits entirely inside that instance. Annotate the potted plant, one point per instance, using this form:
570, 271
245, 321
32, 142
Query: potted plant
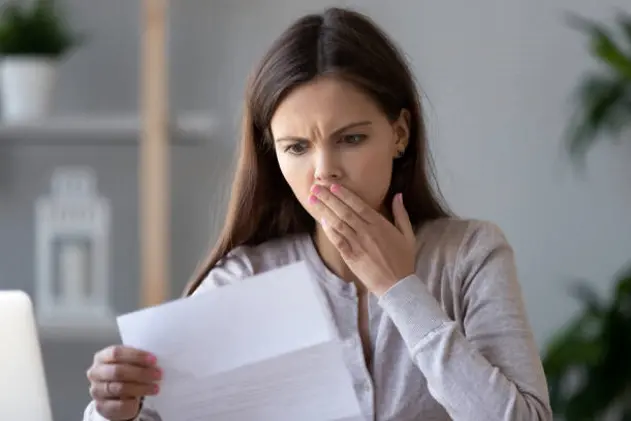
588, 362
33, 39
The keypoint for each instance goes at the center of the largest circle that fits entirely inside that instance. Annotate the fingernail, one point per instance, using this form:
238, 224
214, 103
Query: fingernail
335, 188
313, 200
158, 374
156, 388
400, 197
315, 189
152, 359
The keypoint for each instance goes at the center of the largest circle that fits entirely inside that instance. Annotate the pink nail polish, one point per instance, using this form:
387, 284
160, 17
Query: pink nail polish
335, 188
315, 189
313, 200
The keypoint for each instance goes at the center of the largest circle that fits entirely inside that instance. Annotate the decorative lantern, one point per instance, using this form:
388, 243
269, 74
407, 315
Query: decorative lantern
72, 256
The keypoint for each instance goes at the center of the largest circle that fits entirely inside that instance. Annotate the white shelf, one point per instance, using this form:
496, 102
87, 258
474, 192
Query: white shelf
189, 128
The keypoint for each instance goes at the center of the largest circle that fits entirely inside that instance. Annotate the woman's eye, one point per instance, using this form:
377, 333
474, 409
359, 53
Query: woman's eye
354, 138
296, 148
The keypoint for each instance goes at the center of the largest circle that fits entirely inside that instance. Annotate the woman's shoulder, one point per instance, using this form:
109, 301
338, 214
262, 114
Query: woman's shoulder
459, 233
248, 260
456, 245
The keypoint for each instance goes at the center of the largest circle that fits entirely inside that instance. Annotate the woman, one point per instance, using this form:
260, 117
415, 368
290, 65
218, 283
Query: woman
333, 170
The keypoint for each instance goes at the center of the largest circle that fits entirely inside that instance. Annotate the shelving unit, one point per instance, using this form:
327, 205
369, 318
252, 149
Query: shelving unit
154, 129
187, 129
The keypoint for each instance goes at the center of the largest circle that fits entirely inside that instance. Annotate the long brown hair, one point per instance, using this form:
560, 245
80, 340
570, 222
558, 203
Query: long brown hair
337, 42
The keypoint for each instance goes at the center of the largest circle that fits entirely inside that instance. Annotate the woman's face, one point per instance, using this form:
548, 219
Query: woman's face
329, 132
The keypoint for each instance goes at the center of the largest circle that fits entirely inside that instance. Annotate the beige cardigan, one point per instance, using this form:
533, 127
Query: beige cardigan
451, 342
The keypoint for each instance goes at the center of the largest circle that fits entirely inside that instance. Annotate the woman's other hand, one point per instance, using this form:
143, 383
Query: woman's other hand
119, 378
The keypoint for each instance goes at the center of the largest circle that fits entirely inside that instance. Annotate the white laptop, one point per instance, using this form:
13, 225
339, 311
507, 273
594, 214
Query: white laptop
23, 389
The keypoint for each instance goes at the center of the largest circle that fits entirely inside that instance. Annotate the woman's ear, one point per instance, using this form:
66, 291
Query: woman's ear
401, 128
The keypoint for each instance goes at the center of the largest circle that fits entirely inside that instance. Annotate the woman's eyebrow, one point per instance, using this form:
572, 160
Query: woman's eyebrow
335, 132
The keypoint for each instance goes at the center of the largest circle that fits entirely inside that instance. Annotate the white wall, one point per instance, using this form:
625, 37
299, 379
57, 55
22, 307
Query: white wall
498, 76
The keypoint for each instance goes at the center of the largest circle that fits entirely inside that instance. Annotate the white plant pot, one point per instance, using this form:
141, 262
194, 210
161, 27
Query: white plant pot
27, 88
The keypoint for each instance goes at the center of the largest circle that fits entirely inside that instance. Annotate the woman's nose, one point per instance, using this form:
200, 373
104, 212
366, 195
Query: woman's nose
327, 168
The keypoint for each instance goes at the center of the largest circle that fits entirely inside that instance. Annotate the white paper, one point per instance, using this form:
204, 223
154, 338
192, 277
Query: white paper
261, 349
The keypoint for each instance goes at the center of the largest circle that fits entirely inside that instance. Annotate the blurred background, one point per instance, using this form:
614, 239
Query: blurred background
499, 81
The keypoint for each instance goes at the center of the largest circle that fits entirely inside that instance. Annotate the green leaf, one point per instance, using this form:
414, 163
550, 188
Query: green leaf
603, 46
582, 292
624, 21
622, 295
573, 346
602, 106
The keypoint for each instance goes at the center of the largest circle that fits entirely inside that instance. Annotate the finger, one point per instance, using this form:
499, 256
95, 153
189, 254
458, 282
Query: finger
402, 219
359, 206
345, 246
121, 390
326, 216
118, 354
123, 373
118, 408
339, 207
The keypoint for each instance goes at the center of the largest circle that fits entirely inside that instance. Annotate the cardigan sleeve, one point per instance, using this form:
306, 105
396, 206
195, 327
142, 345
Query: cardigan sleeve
145, 414
489, 368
